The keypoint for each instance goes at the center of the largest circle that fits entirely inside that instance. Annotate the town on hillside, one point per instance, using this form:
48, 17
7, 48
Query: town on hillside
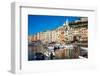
69, 41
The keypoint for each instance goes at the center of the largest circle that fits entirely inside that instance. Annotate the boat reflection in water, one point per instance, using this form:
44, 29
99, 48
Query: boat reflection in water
39, 51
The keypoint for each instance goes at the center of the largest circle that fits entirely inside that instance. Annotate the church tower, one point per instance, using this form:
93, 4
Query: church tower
66, 25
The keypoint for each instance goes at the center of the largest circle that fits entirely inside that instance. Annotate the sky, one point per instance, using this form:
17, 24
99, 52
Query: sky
40, 23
